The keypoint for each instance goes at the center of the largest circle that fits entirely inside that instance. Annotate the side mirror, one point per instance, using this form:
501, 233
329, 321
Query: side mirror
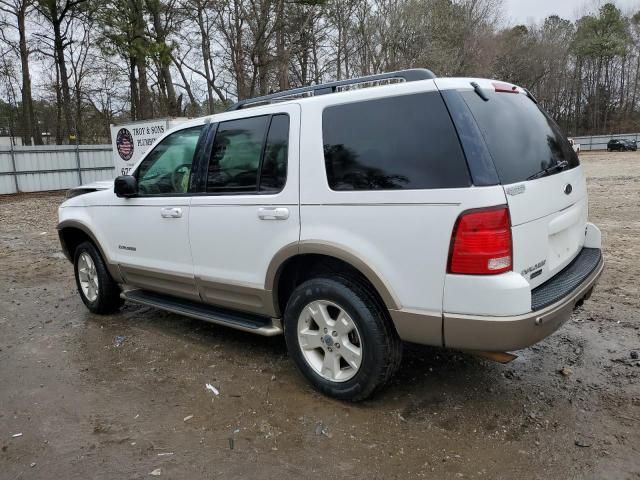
125, 186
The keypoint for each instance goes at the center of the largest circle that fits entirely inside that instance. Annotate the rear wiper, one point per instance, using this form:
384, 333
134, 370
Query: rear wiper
479, 92
549, 170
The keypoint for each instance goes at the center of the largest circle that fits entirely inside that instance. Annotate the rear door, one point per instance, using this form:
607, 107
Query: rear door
250, 207
548, 209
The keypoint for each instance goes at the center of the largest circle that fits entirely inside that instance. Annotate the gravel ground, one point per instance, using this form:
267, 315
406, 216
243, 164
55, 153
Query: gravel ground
76, 404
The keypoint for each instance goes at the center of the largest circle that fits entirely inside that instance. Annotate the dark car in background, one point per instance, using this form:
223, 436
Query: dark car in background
621, 145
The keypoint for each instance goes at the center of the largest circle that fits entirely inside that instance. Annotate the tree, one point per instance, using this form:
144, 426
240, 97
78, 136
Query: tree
59, 13
17, 10
598, 41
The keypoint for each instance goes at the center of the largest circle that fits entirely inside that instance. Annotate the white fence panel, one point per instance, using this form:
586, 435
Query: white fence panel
89, 176
30, 159
41, 182
53, 167
95, 156
5, 162
7, 184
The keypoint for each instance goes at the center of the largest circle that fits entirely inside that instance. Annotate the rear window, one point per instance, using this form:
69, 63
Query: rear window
522, 139
406, 142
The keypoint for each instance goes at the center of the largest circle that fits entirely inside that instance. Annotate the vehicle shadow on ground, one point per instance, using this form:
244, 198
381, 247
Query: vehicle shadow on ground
432, 373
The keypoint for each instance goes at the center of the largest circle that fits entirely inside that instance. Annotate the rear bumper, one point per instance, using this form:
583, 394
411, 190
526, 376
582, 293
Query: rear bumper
499, 334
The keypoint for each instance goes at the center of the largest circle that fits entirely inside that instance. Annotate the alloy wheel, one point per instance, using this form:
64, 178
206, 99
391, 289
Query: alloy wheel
88, 276
329, 341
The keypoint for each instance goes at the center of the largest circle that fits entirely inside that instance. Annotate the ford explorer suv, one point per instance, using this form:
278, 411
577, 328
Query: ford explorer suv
351, 217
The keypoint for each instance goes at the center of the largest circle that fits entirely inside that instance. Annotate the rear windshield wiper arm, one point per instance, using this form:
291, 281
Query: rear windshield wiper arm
479, 92
561, 165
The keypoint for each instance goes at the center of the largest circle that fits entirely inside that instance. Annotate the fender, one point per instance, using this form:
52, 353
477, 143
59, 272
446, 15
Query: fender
331, 250
113, 268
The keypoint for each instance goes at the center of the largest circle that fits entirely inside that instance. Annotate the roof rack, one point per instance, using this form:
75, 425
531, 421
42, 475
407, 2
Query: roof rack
410, 75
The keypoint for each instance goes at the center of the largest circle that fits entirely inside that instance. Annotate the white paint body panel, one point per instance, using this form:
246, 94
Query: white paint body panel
493, 295
548, 225
230, 243
161, 243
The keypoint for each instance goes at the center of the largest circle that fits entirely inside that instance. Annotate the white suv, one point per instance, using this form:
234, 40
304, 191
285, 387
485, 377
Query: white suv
351, 216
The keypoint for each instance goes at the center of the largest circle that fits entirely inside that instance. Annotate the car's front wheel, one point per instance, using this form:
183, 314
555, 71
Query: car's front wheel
341, 338
99, 292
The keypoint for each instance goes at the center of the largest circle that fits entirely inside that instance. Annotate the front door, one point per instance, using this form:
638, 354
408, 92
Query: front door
150, 232
249, 210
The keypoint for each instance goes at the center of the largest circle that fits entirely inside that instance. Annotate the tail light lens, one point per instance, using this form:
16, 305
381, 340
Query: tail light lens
505, 87
481, 242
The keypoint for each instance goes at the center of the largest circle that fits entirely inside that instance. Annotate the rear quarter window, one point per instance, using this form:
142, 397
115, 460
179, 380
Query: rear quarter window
405, 142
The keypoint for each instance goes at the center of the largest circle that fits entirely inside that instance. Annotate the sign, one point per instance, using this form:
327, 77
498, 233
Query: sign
132, 140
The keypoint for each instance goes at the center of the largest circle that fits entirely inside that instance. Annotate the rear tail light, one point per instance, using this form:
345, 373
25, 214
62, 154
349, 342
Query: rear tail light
481, 242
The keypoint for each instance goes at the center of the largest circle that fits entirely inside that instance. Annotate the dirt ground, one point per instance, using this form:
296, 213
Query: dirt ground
76, 404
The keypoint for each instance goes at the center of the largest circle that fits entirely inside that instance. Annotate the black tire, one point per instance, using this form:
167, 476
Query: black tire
381, 347
108, 299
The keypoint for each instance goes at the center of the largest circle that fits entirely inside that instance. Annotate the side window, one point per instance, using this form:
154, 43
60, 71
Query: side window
167, 168
236, 154
276, 155
250, 155
406, 142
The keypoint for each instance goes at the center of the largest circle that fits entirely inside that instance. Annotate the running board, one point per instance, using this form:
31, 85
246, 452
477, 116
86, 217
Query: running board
247, 322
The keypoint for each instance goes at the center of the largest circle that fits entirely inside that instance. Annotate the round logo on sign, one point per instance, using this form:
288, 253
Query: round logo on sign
124, 144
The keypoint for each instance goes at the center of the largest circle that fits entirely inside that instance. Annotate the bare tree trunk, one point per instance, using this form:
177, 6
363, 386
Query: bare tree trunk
205, 45
238, 54
79, 121
133, 86
164, 60
145, 110
31, 131
64, 78
281, 51
59, 133
634, 96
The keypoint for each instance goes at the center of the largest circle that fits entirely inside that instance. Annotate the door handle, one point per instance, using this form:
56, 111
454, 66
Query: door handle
273, 213
171, 212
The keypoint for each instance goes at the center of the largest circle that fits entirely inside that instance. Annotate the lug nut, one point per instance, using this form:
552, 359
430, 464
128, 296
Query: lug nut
334, 333
325, 330
330, 349
337, 345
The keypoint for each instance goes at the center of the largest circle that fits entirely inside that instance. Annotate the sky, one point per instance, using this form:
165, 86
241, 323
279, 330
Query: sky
523, 11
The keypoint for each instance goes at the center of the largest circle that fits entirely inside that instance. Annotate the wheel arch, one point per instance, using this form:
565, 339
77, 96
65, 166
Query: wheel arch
292, 258
72, 233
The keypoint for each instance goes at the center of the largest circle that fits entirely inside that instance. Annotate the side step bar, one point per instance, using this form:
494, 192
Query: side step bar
247, 322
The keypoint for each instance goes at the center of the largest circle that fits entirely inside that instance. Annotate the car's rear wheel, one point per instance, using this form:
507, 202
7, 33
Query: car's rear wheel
99, 292
341, 338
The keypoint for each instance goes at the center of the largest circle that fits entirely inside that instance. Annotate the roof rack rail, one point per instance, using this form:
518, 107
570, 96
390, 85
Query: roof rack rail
410, 75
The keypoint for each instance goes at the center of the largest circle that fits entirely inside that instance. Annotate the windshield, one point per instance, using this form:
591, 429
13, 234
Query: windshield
521, 138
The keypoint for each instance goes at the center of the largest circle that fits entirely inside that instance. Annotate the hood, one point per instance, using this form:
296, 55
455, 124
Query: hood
99, 185
90, 187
